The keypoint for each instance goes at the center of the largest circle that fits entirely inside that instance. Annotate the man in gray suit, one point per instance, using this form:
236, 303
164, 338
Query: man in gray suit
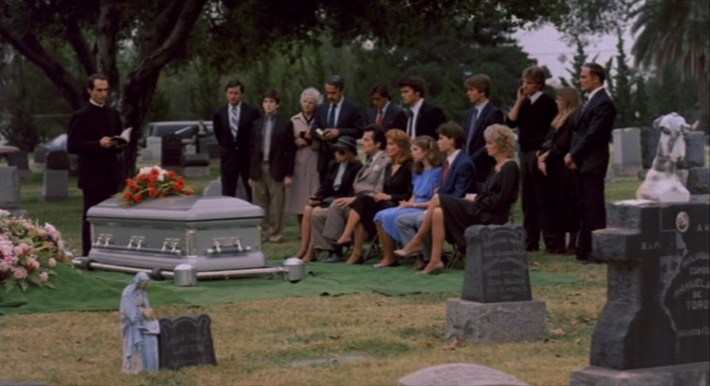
329, 224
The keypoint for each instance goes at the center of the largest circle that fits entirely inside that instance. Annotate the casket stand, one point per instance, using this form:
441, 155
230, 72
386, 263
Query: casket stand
218, 236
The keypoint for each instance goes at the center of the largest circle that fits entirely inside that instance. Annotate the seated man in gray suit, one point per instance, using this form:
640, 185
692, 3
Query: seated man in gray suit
459, 178
328, 224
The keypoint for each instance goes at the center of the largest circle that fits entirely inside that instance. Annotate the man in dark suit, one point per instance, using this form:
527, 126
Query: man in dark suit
459, 178
419, 117
273, 153
589, 154
232, 129
384, 111
339, 117
479, 117
532, 114
89, 135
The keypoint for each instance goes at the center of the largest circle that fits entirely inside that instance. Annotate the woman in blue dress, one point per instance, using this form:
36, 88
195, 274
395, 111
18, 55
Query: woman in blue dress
427, 172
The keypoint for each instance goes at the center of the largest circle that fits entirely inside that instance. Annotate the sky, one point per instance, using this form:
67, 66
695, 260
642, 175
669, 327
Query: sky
546, 45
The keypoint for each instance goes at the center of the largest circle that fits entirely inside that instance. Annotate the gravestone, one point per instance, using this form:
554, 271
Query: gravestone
186, 341
649, 146
9, 188
171, 156
698, 181
654, 328
55, 182
20, 160
627, 151
153, 149
694, 149
459, 374
496, 301
195, 165
214, 188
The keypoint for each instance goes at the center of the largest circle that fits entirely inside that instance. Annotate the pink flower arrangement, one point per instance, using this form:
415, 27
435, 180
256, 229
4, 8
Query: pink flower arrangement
153, 182
28, 252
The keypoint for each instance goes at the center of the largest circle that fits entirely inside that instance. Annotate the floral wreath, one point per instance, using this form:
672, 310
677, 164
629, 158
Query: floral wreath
153, 182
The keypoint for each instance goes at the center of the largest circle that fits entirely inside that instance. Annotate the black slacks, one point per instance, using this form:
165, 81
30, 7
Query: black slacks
592, 207
92, 196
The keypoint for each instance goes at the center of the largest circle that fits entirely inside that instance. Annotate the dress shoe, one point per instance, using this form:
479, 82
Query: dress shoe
378, 265
334, 259
342, 245
439, 268
404, 254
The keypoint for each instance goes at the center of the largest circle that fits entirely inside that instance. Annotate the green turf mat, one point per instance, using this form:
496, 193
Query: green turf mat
78, 290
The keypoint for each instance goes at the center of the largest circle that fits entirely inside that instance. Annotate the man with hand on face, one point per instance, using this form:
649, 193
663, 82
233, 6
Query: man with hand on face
90, 131
232, 129
384, 111
419, 117
338, 117
589, 155
273, 152
532, 114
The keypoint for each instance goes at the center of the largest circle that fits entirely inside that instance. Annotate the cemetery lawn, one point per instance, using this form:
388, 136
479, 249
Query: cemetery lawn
269, 342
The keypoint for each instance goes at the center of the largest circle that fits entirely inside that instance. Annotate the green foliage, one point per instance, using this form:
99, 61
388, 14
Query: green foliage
620, 86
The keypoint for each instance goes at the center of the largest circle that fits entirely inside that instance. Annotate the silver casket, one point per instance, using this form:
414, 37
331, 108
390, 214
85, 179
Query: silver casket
209, 233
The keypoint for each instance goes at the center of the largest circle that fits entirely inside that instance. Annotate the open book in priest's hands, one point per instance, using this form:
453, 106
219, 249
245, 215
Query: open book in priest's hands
123, 138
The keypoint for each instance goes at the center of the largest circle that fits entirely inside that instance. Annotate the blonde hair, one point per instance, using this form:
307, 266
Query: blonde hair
433, 154
402, 140
572, 101
503, 137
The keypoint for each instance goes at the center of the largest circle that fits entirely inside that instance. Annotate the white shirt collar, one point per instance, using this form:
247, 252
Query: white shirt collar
95, 104
481, 106
535, 96
452, 157
594, 92
417, 106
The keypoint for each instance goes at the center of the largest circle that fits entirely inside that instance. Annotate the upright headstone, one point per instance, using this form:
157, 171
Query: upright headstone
496, 302
153, 149
698, 181
20, 160
195, 165
654, 328
171, 157
695, 149
186, 341
627, 151
459, 374
55, 184
9, 188
214, 188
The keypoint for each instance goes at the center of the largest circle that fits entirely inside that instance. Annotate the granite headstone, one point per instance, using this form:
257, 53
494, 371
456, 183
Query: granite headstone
649, 146
459, 374
214, 188
186, 341
21, 161
171, 157
9, 188
496, 302
698, 180
627, 151
694, 149
656, 319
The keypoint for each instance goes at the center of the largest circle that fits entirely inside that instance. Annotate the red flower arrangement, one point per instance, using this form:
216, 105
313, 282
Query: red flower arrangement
154, 182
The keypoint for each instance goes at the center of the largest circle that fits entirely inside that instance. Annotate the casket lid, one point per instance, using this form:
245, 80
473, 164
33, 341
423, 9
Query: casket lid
178, 208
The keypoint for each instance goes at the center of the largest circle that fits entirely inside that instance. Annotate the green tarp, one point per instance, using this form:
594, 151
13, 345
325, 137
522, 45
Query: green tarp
78, 290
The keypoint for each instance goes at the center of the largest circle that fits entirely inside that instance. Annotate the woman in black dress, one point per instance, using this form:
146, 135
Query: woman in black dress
558, 213
448, 217
396, 187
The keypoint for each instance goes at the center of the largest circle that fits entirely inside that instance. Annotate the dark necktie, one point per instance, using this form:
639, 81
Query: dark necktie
471, 128
331, 116
380, 118
446, 172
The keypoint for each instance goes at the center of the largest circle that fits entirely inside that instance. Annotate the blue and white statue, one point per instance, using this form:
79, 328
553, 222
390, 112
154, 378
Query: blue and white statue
134, 300
150, 331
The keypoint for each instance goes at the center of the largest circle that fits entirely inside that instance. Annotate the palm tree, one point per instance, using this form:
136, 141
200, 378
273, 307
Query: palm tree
675, 33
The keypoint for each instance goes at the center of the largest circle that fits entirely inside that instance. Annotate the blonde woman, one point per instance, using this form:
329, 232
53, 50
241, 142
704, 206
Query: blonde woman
558, 213
448, 217
305, 171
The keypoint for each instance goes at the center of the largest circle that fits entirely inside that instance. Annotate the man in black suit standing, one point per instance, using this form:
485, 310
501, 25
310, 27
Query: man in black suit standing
589, 154
384, 111
273, 153
478, 118
339, 117
532, 114
232, 128
419, 117
89, 135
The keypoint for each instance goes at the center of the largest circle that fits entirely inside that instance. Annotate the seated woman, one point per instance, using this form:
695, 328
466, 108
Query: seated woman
448, 217
427, 174
338, 183
396, 187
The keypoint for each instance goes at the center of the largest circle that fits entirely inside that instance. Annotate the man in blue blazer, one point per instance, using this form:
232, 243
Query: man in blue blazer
420, 117
589, 155
339, 117
481, 115
459, 179
232, 128
384, 111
